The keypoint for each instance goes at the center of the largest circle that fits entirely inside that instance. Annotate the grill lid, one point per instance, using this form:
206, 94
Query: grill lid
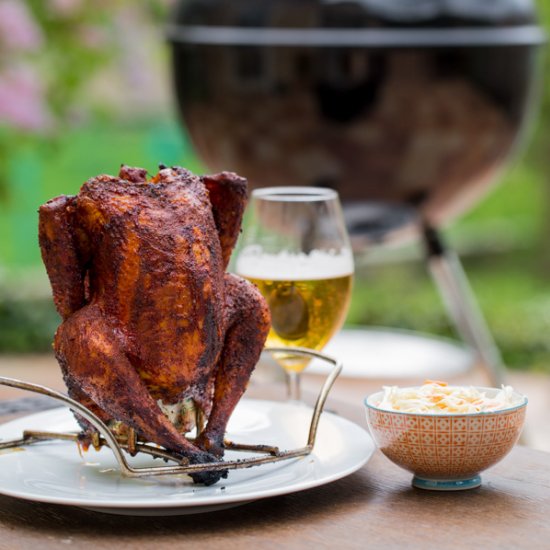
343, 23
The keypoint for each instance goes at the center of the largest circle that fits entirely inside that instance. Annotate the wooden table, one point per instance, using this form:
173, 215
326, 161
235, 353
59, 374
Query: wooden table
374, 508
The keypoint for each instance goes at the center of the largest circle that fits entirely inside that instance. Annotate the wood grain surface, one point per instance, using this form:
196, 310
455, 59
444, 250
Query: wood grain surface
374, 508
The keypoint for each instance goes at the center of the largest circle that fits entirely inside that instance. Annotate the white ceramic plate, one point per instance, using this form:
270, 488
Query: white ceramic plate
379, 353
55, 472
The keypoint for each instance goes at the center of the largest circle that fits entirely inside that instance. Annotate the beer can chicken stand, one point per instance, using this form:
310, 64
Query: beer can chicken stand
120, 443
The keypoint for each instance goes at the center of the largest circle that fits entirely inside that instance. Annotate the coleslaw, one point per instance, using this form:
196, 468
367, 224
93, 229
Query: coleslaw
437, 397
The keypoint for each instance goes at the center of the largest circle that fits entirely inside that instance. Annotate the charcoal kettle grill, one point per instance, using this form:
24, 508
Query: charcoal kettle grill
408, 108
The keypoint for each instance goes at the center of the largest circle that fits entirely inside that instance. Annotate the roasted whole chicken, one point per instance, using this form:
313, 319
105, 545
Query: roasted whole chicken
156, 337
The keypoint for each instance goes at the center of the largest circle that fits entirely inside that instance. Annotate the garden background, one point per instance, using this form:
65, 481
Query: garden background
85, 86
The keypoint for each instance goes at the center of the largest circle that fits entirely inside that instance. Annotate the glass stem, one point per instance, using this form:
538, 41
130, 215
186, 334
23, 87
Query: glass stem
293, 386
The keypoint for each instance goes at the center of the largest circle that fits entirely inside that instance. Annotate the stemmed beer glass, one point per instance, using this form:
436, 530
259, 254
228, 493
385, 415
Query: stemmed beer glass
295, 248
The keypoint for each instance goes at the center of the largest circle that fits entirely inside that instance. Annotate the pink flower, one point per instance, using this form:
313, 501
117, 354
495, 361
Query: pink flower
18, 29
22, 102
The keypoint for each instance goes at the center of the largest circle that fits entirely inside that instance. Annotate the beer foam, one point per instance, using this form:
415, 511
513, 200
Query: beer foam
254, 263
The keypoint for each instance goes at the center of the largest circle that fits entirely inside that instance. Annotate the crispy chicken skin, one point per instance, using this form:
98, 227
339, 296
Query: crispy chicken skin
151, 321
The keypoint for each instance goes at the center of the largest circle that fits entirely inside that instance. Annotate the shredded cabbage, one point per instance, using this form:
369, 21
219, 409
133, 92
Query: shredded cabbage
439, 398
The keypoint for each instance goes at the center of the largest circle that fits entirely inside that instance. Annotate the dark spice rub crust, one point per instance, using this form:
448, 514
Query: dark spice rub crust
155, 335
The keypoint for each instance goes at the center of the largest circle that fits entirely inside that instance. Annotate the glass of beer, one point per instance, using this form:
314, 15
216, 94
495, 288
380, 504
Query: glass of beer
296, 250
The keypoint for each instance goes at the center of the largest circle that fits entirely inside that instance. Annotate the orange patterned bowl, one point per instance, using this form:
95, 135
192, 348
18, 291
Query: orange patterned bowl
446, 452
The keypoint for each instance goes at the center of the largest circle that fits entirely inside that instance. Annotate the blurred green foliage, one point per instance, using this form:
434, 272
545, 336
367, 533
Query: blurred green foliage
50, 50
26, 325
515, 302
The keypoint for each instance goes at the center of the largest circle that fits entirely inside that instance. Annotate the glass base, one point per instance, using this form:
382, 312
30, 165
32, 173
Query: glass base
446, 484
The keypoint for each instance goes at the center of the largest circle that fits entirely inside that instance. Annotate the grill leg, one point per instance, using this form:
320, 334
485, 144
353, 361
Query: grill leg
461, 305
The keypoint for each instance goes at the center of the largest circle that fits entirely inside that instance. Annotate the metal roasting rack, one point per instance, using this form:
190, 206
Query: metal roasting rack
131, 445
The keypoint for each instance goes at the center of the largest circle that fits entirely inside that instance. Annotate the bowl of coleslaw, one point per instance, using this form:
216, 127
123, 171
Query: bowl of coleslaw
445, 435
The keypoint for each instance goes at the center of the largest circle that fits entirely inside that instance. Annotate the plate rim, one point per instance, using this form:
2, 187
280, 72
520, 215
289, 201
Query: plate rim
227, 498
